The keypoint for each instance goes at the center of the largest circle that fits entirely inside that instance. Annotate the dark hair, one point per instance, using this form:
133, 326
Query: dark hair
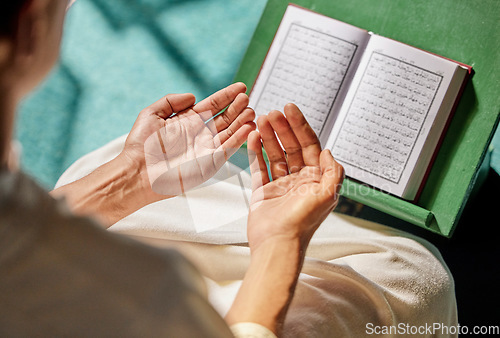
9, 12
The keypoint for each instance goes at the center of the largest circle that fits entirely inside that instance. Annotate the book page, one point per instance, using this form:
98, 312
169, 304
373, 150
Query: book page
388, 113
309, 63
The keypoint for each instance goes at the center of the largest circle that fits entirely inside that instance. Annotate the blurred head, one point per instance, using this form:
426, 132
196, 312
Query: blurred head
30, 37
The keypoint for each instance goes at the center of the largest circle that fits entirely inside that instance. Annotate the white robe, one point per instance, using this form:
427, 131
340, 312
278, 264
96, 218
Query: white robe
358, 278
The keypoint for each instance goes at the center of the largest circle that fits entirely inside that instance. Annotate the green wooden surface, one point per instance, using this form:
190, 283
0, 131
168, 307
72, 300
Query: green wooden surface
464, 30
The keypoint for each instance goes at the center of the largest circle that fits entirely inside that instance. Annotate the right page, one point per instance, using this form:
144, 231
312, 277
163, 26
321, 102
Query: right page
394, 115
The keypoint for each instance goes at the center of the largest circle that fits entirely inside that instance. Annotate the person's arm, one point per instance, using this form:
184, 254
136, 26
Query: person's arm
269, 284
111, 192
174, 145
284, 213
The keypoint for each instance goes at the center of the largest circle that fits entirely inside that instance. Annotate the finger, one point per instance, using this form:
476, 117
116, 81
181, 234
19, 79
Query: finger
224, 120
248, 115
216, 102
311, 148
258, 168
236, 140
332, 176
170, 104
288, 140
277, 160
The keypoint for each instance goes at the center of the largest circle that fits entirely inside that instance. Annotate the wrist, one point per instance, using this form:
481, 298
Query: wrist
269, 283
119, 190
111, 192
274, 245
279, 254
135, 162
283, 232
127, 187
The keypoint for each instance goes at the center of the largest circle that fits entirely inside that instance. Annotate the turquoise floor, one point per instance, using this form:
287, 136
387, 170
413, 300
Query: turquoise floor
118, 57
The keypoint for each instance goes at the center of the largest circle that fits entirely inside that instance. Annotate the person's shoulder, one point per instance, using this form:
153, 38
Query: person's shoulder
67, 259
27, 208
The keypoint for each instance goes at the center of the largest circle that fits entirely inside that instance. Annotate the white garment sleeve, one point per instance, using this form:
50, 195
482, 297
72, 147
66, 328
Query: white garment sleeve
251, 330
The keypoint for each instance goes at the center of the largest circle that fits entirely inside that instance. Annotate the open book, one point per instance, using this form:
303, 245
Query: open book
380, 105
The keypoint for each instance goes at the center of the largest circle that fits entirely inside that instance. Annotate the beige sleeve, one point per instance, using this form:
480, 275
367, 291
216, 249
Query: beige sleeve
251, 330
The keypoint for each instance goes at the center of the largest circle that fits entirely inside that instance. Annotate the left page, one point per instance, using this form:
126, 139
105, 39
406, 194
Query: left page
310, 63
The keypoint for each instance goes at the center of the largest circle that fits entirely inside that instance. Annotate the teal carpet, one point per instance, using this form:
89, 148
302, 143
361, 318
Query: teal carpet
120, 56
